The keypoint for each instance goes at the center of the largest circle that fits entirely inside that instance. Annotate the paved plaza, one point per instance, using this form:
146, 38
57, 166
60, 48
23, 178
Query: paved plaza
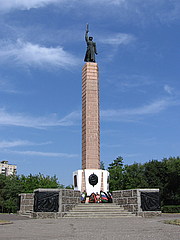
125, 228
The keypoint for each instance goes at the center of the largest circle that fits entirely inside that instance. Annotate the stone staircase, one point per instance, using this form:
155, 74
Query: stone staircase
98, 210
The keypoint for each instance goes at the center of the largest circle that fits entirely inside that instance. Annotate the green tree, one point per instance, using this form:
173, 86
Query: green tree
102, 167
155, 174
134, 176
9, 193
172, 187
164, 175
32, 182
116, 174
69, 187
12, 186
2, 188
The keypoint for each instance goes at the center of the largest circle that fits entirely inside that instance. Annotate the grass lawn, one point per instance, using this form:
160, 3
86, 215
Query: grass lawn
2, 222
175, 222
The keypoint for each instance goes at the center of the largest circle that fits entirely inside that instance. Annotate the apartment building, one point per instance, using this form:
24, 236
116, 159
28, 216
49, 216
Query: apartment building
7, 169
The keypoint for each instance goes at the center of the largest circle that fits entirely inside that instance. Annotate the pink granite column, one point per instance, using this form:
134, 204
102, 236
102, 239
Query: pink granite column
90, 117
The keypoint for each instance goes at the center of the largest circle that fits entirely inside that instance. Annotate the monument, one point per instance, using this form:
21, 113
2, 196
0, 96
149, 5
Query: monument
90, 178
55, 203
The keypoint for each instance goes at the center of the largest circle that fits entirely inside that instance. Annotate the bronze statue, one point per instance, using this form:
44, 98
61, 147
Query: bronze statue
91, 47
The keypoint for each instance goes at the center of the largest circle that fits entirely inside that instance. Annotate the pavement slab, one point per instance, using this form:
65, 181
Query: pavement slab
125, 228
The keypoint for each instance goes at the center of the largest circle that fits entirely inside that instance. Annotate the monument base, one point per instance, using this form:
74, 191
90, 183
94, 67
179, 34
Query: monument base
91, 181
142, 202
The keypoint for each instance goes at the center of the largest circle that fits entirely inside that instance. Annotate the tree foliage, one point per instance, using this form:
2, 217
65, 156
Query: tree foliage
172, 190
12, 186
133, 176
116, 174
164, 174
32, 182
102, 167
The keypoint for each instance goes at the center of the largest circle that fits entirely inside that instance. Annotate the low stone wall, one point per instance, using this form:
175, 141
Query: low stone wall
131, 200
127, 199
67, 199
26, 203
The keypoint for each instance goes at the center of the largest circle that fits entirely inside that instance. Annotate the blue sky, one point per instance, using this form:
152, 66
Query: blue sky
42, 49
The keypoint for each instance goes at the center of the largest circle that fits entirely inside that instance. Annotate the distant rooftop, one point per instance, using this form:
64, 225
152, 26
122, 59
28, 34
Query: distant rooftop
4, 162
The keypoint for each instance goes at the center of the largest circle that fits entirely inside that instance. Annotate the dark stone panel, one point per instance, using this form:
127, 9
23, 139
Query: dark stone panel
46, 201
150, 201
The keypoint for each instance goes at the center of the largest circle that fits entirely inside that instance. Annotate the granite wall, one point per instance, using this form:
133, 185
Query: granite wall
26, 203
68, 198
131, 200
127, 199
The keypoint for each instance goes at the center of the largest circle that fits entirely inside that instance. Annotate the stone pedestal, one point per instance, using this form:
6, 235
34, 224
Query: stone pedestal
91, 178
84, 180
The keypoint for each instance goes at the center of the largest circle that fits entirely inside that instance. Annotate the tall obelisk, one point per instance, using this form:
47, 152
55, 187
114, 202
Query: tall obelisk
91, 178
90, 117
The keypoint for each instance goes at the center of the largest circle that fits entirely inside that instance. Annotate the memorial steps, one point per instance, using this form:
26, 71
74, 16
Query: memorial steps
98, 210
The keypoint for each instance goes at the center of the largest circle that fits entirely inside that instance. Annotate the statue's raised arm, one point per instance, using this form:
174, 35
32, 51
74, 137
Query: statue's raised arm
91, 47
86, 34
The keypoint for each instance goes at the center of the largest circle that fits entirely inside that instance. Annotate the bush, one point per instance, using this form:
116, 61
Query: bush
171, 209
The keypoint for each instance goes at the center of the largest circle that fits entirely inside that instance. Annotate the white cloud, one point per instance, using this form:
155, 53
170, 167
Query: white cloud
118, 39
107, 2
22, 120
9, 144
5, 145
140, 12
71, 118
137, 10
115, 40
7, 5
7, 87
168, 89
26, 53
17, 143
153, 108
43, 154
